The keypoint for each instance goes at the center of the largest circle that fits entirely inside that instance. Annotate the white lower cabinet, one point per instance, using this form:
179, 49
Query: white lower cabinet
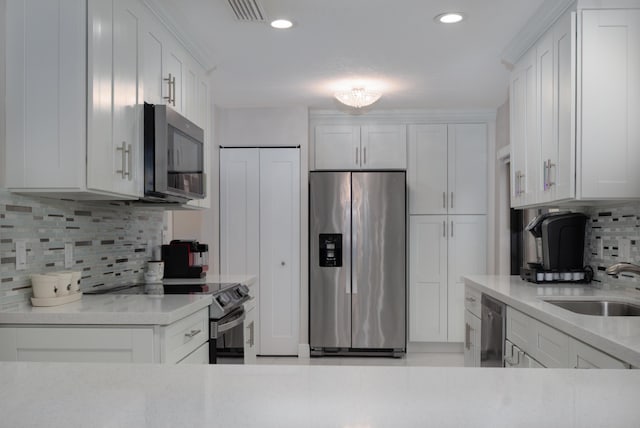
553, 348
471, 340
442, 249
183, 341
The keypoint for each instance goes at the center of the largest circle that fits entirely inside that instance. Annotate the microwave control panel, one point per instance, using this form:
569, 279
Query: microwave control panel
330, 249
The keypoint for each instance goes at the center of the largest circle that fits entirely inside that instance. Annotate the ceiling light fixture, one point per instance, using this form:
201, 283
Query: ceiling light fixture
358, 97
281, 24
449, 18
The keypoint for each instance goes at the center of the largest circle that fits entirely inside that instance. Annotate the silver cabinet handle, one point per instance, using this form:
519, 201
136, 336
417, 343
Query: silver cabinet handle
251, 339
171, 82
130, 162
470, 299
516, 183
125, 152
467, 336
452, 228
444, 200
357, 159
544, 175
521, 186
451, 199
192, 333
282, 263
444, 228
549, 166
364, 155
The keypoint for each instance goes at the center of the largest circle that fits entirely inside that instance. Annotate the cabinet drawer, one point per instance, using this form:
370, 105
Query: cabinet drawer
472, 298
199, 356
184, 336
583, 356
546, 344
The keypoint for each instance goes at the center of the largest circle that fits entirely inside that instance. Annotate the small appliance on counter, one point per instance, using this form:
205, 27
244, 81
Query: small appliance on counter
185, 259
559, 239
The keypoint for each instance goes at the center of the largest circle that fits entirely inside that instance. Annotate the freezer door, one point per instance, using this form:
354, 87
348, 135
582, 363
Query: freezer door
330, 260
378, 257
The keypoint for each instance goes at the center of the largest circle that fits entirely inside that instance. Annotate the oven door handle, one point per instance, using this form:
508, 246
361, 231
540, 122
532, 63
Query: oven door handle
231, 324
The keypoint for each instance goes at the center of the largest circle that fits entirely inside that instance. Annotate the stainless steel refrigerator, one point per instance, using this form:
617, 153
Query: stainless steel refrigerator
357, 266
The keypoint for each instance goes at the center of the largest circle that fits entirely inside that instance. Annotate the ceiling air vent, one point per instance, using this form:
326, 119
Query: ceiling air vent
247, 10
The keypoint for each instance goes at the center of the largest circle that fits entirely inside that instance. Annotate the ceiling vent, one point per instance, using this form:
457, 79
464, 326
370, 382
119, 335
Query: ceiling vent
247, 10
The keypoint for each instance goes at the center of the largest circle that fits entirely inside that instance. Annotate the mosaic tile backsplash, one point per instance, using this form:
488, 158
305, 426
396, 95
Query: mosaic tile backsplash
612, 236
109, 241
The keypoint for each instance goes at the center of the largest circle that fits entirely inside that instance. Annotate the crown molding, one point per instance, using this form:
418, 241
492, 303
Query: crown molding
402, 116
535, 27
193, 47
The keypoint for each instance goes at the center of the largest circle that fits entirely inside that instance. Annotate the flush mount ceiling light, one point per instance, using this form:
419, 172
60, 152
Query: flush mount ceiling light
449, 18
358, 97
281, 24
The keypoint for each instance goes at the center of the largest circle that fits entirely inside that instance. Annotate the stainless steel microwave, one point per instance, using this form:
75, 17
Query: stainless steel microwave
173, 156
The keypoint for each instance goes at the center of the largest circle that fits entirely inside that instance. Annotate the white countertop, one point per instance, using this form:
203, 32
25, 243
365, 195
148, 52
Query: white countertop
617, 336
126, 395
113, 309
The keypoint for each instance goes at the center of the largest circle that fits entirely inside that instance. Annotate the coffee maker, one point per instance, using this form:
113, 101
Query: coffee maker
185, 259
559, 243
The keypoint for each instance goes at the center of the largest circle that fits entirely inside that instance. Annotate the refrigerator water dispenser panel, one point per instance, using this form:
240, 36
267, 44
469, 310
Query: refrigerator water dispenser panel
330, 249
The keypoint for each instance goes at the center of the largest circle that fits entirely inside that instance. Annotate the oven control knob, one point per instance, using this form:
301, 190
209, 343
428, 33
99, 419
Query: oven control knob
244, 289
223, 299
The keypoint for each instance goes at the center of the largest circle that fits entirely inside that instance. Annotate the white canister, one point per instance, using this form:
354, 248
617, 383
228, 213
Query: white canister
75, 279
155, 269
44, 286
64, 282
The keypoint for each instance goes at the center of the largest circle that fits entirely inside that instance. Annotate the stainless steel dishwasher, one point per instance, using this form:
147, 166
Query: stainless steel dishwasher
492, 332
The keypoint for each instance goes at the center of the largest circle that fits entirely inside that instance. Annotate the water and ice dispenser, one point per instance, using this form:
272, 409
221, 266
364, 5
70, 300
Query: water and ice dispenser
330, 249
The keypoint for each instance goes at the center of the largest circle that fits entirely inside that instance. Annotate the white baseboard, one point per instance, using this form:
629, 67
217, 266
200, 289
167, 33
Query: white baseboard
304, 351
436, 347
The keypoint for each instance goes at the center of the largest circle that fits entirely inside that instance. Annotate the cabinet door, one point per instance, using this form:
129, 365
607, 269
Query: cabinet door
517, 136
428, 278
467, 255
153, 85
337, 147
547, 140
471, 340
582, 356
427, 172
561, 175
610, 129
279, 251
467, 171
384, 147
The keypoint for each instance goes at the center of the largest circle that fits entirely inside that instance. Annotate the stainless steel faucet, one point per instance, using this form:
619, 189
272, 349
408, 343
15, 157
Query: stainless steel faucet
617, 268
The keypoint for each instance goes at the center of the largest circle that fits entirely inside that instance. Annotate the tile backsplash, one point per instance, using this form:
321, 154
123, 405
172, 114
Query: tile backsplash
109, 240
612, 236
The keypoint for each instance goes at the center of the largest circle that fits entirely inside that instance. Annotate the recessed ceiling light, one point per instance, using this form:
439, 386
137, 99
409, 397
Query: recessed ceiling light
449, 18
281, 24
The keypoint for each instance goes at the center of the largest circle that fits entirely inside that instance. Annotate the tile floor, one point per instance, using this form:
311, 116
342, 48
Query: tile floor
431, 359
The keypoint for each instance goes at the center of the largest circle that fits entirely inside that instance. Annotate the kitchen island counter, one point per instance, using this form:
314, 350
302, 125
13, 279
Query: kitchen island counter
77, 395
618, 336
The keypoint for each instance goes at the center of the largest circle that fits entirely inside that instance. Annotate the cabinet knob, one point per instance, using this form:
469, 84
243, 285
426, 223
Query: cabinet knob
282, 263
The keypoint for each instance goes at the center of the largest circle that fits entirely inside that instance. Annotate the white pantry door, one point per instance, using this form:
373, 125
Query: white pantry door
279, 251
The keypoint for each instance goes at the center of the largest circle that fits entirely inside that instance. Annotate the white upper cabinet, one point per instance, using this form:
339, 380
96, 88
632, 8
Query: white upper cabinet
354, 147
72, 126
585, 101
79, 71
610, 104
447, 171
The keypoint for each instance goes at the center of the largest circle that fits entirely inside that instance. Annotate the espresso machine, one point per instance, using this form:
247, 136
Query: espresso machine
185, 259
559, 248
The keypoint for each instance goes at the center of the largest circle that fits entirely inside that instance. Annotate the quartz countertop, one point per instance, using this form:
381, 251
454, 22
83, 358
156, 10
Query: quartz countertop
109, 309
617, 336
127, 395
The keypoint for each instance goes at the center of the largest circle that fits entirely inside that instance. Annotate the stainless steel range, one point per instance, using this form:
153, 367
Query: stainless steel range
226, 313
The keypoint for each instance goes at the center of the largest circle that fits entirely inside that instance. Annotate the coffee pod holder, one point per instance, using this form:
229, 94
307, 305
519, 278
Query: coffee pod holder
537, 275
56, 301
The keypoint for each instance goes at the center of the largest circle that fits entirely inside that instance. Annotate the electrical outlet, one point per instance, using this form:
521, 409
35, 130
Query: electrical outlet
21, 254
600, 248
68, 255
624, 250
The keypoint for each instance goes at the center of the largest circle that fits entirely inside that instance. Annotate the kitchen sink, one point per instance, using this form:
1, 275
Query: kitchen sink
606, 308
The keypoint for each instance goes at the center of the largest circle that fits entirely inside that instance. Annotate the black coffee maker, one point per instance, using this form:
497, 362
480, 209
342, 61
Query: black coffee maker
559, 238
185, 259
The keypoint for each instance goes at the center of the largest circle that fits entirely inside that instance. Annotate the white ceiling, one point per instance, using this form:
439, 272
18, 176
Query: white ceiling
416, 62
